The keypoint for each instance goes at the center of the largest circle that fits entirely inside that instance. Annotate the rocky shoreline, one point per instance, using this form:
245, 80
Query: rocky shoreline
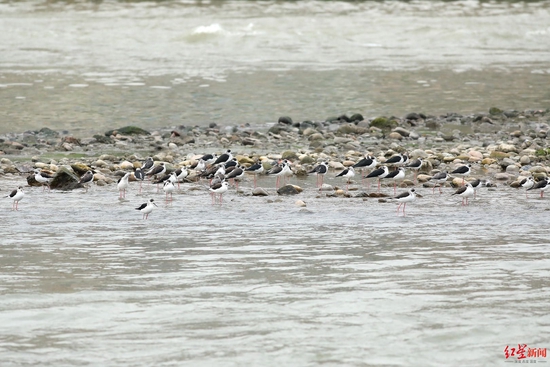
502, 146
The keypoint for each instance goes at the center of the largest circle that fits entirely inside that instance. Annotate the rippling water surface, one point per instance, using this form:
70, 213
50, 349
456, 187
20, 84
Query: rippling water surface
91, 66
85, 281
259, 281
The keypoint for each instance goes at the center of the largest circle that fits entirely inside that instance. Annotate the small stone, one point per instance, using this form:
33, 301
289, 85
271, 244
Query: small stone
100, 163
475, 154
80, 168
512, 168
457, 181
125, 165
259, 191
356, 117
16, 145
499, 155
309, 131
383, 123
316, 136
249, 141
423, 177
128, 130
351, 129
412, 116
289, 190
418, 153
289, 154
501, 176
245, 160
395, 135
286, 120
537, 169
487, 161
341, 140
326, 187
507, 148
525, 160
336, 165
404, 132
300, 203
306, 159
495, 111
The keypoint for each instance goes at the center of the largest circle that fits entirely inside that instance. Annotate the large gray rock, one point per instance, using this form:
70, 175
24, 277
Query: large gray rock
65, 179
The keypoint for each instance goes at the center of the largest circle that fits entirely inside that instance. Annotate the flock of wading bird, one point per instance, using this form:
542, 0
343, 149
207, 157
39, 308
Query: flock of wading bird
223, 169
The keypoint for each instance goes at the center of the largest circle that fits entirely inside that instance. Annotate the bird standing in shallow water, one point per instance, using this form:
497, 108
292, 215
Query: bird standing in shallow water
208, 159
397, 175
541, 185
148, 164
257, 168
218, 189
404, 198
277, 171
348, 173
527, 183
369, 162
463, 171
168, 188
439, 178
466, 192
122, 185
16, 195
476, 184
42, 178
236, 175
146, 208
157, 170
415, 166
138, 174
398, 160
379, 173
320, 170
181, 174
224, 158
86, 178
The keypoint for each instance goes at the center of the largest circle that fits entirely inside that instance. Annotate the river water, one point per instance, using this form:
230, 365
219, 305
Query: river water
92, 66
258, 281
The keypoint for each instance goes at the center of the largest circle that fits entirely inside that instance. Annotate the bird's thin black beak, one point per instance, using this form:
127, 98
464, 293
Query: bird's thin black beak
155, 204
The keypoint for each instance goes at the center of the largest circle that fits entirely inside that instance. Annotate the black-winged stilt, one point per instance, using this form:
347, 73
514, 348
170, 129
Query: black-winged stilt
465, 192
16, 195
404, 198
86, 178
146, 208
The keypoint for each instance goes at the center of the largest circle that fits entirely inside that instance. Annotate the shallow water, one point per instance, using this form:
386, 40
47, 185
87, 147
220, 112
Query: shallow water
84, 66
344, 281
